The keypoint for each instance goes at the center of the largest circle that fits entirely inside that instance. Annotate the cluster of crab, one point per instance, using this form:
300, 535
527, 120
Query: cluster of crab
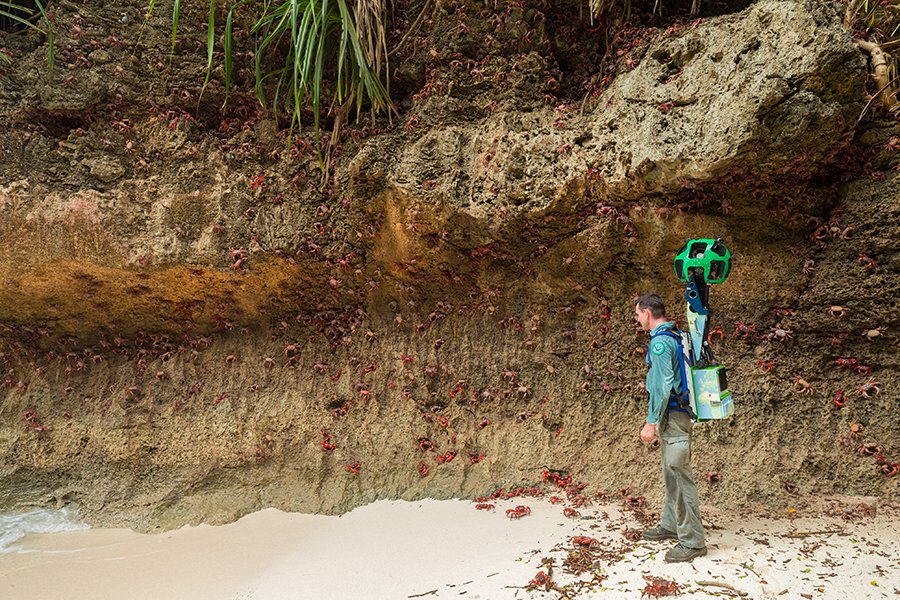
501, 494
854, 439
871, 387
779, 333
559, 478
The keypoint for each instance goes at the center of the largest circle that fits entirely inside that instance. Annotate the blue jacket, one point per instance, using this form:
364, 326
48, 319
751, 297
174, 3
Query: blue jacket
664, 376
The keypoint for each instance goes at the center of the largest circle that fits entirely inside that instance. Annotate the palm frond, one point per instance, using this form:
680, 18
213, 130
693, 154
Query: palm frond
316, 35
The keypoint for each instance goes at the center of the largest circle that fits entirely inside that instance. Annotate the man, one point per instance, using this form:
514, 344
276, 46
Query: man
680, 518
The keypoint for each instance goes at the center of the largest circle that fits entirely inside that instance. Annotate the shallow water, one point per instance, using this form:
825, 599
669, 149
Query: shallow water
16, 525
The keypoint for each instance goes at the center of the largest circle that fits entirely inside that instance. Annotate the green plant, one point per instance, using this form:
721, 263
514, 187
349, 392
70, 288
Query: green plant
878, 17
314, 35
311, 39
600, 7
176, 17
17, 12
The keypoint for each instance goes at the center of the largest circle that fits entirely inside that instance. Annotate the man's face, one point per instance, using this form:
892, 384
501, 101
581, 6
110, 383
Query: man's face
642, 316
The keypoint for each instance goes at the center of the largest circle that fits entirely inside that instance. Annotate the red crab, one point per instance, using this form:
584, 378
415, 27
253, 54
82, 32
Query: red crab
582, 540
633, 501
447, 457
867, 261
716, 331
657, 586
518, 512
327, 446
742, 329
890, 469
869, 387
556, 477
840, 399
31, 418
540, 580
779, 333
766, 365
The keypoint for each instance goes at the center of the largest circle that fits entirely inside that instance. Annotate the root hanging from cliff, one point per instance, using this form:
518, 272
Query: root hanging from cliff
887, 88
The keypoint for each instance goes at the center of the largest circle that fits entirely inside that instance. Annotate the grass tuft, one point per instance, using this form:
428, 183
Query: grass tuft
25, 15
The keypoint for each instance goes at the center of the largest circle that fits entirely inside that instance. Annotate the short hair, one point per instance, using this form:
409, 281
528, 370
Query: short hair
652, 302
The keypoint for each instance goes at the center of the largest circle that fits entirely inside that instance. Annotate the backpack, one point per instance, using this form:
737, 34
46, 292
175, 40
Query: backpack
705, 394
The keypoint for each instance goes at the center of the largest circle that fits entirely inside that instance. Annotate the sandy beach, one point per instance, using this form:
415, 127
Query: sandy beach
448, 549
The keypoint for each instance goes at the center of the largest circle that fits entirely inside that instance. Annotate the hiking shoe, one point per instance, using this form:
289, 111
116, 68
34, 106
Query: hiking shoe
684, 554
658, 533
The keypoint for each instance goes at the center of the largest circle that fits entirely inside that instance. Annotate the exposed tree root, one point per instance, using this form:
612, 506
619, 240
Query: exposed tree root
881, 74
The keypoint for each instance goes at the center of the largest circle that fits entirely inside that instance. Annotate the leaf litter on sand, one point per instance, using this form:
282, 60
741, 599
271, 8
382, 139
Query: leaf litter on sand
588, 558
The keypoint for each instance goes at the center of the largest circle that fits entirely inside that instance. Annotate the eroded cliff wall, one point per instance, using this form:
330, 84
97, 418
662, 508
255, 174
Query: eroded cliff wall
194, 315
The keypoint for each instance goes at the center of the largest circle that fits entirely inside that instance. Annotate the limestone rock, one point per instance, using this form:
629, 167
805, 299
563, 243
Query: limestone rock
750, 92
105, 169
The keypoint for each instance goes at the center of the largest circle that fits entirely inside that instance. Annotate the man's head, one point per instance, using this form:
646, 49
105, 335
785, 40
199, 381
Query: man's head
649, 311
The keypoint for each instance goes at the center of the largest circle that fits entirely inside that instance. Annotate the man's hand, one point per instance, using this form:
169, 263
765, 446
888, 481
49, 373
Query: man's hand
648, 433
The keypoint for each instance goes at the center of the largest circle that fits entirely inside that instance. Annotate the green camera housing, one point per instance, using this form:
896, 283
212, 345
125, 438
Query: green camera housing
708, 256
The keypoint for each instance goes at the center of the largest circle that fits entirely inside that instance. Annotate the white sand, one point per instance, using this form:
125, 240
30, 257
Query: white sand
447, 549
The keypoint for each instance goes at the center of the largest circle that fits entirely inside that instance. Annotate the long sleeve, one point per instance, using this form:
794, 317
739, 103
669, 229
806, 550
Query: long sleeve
660, 379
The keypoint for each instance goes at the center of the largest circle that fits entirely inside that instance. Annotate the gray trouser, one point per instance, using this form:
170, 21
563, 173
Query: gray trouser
681, 510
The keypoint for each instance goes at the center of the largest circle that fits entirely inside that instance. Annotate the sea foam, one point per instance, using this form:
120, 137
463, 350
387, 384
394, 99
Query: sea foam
15, 526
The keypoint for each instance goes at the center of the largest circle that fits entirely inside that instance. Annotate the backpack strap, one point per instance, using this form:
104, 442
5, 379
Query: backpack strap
672, 333
677, 400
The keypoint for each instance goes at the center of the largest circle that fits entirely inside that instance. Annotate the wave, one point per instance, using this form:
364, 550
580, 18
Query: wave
15, 526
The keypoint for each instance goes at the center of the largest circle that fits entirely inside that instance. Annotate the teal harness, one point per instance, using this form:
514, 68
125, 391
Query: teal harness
678, 401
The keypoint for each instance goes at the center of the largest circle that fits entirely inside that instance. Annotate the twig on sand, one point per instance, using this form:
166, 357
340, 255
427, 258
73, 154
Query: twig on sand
423, 594
726, 586
803, 534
